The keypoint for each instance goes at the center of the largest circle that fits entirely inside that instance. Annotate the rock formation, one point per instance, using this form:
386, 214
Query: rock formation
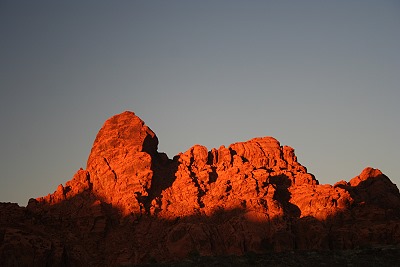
134, 205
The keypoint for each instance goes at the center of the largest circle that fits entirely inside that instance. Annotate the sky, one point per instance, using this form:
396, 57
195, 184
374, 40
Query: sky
320, 76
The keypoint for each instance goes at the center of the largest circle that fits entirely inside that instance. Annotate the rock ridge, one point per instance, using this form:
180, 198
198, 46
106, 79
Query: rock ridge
251, 196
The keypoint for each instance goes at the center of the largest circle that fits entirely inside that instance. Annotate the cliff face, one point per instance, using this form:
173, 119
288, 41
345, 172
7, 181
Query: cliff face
133, 204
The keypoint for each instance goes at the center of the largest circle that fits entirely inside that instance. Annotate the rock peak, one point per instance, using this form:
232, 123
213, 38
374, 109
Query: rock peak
121, 158
123, 131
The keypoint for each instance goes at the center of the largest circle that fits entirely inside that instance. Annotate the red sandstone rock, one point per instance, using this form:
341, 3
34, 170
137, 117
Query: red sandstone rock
133, 205
120, 162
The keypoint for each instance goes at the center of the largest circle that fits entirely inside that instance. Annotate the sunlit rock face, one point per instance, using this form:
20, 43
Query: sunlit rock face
120, 162
244, 176
133, 204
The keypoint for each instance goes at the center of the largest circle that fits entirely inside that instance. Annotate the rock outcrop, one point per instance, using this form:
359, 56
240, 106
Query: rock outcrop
134, 205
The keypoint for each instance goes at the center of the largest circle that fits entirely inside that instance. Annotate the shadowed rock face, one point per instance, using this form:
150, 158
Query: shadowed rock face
133, 204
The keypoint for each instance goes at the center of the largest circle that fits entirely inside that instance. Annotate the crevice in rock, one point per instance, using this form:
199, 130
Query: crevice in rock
111, 169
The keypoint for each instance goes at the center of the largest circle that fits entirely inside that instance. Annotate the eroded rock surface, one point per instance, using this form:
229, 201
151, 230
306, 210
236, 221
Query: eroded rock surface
134, 205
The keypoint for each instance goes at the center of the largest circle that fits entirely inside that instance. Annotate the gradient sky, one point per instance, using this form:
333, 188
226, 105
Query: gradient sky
320, 76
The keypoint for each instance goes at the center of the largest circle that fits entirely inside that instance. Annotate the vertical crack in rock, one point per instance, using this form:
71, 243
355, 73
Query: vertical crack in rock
111, 169
195, 180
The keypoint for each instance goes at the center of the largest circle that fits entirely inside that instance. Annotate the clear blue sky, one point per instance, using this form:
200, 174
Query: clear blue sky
320, 76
